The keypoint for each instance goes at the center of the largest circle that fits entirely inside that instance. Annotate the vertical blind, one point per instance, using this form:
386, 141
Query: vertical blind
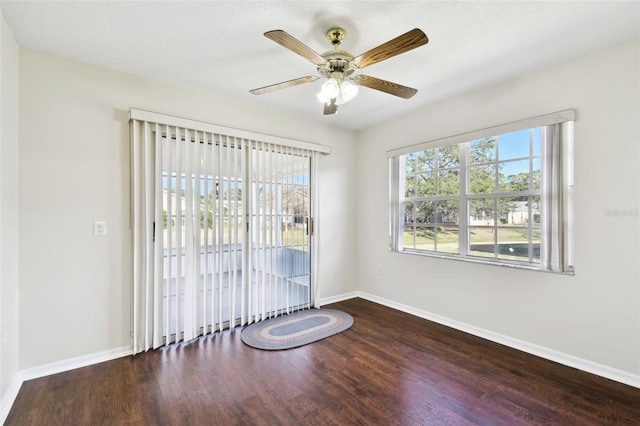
556, 252
219, 220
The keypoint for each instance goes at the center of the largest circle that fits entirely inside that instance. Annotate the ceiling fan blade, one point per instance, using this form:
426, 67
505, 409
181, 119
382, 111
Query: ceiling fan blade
407, 41
385, 86
286, 40
284, 85
330, 108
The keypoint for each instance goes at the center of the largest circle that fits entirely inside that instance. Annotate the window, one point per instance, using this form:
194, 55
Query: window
500, 195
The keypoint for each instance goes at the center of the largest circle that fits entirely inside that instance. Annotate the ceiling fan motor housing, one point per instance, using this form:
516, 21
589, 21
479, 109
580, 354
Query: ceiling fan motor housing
339, 65
338, 61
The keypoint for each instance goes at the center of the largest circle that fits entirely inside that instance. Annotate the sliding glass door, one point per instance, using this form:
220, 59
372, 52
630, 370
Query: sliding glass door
279, 230
235, 232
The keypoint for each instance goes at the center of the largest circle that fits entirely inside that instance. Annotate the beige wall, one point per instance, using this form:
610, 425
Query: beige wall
74, 169
594, 315
8, 211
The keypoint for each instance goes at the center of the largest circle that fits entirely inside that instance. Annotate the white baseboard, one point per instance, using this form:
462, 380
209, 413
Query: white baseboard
339, 298
73, 363
53, 368
531, 348
9, 397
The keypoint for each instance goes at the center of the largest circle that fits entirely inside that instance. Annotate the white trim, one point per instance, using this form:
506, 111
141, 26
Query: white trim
185, 123
53, 368
339, 298
530, 348
10, 397
73, 363
527, 123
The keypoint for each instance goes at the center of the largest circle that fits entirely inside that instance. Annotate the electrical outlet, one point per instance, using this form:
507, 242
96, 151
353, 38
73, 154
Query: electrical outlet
379, 269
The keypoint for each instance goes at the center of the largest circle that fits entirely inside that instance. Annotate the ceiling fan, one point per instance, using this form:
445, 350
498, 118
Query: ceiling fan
338, 66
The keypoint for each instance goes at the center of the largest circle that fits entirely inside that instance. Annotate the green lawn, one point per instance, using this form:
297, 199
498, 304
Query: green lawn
512, 242
291, 236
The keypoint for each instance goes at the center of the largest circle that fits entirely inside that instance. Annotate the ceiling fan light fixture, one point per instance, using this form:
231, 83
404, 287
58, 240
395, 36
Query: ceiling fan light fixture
341, 92
348, 91
330, 90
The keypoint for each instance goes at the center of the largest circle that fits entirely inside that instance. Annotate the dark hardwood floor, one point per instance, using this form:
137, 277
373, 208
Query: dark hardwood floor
390, 368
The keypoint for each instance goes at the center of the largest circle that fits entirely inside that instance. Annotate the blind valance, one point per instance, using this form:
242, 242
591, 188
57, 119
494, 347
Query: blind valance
185, 123
541, 120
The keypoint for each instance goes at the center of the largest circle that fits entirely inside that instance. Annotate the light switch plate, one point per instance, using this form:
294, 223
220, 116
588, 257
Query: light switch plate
99, 229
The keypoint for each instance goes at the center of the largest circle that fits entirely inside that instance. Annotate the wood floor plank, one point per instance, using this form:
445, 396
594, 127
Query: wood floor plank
389, 368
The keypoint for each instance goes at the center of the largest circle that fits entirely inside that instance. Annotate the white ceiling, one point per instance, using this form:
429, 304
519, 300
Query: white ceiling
218, 46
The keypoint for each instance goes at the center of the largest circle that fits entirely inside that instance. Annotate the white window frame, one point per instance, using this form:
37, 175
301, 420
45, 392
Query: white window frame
560, 262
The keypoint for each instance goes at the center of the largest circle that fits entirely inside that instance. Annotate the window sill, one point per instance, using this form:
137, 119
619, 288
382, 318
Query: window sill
501, 263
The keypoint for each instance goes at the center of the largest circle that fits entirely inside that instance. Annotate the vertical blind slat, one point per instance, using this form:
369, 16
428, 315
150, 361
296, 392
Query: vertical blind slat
179, 224
277, 228
136, 223
168, 232
235, 244
219, 242
210, 248
189, 257
204, 266
247, 270
197, 232
148, 211
159, 244
245, 229
229, 215
261, 232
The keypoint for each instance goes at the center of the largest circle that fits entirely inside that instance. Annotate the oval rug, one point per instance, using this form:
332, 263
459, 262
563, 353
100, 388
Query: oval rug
296, 329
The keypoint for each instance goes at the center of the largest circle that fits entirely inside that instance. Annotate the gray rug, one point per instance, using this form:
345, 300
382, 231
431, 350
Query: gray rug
297, 329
